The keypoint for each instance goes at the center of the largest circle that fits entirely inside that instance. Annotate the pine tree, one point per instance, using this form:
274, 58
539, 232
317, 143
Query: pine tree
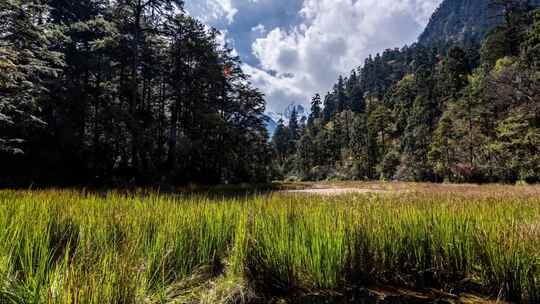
146, 94
532, 43
441, 153
378, 123
293, 124
330, 107
26, 63
340, 95
294, 131
84, 92
306, 155
281, 140
315, 112
457, 69
355, 94
414, 164
517, 149
515, 15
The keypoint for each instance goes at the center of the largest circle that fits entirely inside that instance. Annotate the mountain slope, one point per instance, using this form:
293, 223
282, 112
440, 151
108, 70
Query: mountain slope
462, 21
270, 124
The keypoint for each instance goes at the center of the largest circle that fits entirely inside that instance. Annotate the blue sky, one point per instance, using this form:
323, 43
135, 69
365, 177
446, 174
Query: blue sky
295, 48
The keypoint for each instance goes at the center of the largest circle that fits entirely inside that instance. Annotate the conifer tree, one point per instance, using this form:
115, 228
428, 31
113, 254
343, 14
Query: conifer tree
26, 63
315, 112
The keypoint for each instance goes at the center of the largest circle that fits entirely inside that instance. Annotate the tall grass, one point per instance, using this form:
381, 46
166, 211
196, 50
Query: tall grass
77, 247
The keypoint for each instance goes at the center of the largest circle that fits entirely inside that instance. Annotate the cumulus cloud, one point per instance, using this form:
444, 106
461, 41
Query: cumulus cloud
276, 88
334, 37
295, 48
251, 20
259, 29
213, 11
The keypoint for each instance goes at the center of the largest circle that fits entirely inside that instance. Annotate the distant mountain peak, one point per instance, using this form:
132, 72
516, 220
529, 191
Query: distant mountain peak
272, 118
300, 110
270, 124
287, 112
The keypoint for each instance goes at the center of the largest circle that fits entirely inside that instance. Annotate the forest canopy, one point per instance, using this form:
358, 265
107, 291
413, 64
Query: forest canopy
132, 91
456, 110
95, 91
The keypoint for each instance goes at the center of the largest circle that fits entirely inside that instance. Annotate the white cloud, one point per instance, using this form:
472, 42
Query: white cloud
212, 11
275, 87
259, 29
335, 37
224, 42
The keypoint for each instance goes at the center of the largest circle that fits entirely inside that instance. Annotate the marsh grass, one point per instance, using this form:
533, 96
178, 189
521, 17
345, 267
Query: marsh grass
61, 246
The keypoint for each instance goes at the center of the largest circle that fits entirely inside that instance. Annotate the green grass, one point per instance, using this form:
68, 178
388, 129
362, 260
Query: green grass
75, 247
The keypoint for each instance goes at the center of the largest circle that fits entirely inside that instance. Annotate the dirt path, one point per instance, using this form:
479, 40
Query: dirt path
335, 191
359, 187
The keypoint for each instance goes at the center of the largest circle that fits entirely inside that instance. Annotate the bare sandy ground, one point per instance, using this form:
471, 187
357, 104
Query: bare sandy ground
473, 190
337, 191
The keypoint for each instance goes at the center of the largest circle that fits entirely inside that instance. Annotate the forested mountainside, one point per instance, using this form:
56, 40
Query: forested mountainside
430, 112
459, 21
122, 91
465, 21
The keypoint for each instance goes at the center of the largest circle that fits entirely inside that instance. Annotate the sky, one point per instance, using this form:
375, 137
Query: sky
293, 49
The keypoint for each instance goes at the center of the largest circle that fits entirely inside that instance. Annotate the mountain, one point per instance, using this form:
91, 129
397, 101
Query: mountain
465, 21
271, 125
300, 111
272, 118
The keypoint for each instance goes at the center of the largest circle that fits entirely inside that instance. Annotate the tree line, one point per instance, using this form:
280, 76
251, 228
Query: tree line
96, 91
458, 112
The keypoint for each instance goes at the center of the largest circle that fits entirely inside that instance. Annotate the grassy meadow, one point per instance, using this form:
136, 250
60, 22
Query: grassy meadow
67, 246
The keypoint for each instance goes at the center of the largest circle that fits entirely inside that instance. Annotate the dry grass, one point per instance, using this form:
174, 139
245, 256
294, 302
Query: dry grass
61, 246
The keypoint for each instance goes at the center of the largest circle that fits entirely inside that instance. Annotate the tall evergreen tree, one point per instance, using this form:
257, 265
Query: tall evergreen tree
330, 107
27, 62
457, 69
146, 94
340, 95
281, 140
355, 94
315, 112
442, 148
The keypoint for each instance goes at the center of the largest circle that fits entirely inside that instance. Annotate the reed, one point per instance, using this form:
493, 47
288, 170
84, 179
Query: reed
60, 246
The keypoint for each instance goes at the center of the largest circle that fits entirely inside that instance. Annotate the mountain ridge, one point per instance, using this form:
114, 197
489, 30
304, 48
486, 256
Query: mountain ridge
462, 21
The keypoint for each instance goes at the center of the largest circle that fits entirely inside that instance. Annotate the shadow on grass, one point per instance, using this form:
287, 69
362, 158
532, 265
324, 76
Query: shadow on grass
237, 191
